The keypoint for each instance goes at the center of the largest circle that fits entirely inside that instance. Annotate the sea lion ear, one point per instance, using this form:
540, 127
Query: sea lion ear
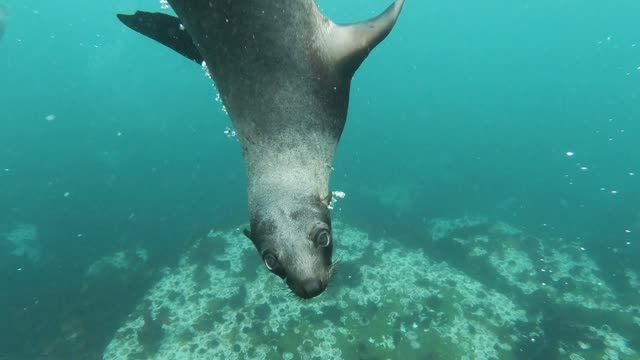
327, 199
349, 45
253, 239
247, 233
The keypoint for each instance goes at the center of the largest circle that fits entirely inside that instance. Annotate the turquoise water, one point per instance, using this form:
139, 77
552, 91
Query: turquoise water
519, 112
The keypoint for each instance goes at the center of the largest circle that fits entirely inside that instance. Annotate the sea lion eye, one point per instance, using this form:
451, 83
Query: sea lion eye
323, 238
270, 261
320, 235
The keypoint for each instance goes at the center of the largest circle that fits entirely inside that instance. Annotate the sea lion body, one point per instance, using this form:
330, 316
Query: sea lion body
283, 72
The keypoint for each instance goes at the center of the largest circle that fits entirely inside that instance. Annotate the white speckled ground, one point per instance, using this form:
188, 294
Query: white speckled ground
386, 302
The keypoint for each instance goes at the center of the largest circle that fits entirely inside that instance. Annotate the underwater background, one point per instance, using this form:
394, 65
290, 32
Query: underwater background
490, 164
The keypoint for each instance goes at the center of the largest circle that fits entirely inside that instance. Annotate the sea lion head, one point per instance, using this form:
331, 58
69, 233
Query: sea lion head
296, 243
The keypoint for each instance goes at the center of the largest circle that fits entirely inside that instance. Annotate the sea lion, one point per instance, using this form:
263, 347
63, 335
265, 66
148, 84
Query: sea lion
283, 72
3, 19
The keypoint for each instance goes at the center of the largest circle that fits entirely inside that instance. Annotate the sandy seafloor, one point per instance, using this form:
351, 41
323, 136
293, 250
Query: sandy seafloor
501, 294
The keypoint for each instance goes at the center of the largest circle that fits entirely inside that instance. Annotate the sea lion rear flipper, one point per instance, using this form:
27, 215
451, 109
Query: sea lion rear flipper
350, 44
165, 29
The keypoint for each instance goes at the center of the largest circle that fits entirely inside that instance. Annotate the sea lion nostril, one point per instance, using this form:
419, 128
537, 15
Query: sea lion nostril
312, 287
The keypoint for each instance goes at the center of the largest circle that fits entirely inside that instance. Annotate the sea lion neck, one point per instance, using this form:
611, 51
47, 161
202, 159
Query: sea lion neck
289, 173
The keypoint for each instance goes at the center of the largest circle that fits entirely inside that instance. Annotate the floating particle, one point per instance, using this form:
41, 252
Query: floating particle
632, 174
584, 168
50, 117
603, 189
614, 192
570, 153
582, 249
66, 194
119, 133
628, 243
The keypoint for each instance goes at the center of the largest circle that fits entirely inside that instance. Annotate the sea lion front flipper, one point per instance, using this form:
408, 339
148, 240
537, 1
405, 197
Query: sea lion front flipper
165, 29
350, 44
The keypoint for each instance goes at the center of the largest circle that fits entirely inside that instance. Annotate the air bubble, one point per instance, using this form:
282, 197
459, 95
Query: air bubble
229, 132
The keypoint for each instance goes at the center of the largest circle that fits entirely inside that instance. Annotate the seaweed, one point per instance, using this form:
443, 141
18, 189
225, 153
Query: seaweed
151, 334
201, 277
262, 311
238, 300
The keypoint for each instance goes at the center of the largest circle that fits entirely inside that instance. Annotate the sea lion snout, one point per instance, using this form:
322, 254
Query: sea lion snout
307, 288
308, 275
305, 268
